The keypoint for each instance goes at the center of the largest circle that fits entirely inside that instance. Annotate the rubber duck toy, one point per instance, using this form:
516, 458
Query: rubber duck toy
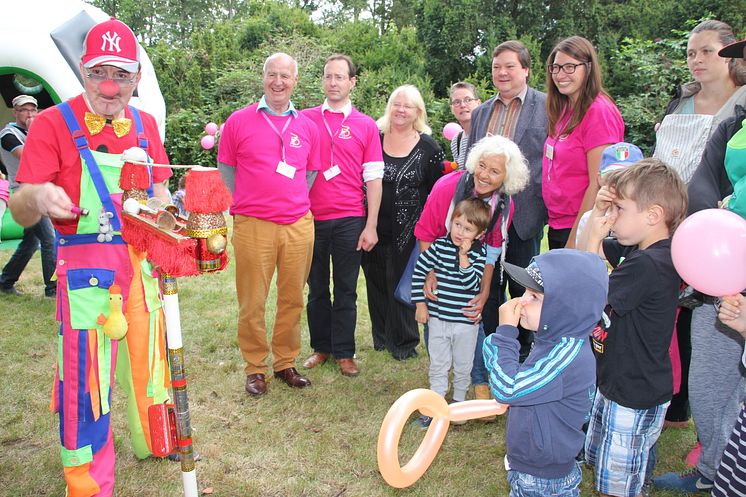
115, 326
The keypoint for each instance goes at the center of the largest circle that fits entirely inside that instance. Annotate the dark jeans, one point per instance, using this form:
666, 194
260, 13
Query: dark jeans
40, 234
519, 252
679, 408
557, 238
332, 325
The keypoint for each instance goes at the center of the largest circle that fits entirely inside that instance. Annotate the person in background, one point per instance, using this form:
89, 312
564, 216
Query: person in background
41, 234
178, 197
495, 172
344, 204
464, 100
268, 156
517, 112
583, 121
689, 120
457, 260
715, 393
412, 164
643, 204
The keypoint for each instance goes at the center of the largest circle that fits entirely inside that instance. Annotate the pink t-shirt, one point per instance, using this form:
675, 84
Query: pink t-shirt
564, 165
432, 222
254, 148
356, 143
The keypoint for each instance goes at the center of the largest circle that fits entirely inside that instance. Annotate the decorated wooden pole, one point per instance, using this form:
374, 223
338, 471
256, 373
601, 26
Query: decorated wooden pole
177, 247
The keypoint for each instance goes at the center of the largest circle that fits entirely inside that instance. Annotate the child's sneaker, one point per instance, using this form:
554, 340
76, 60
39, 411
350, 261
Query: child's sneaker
689, 481
423, 422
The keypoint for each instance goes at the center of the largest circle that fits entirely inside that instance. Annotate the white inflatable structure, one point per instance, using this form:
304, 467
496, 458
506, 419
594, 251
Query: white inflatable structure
42, 40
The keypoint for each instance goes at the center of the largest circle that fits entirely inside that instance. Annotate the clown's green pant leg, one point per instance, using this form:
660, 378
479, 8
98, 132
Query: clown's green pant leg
88, 360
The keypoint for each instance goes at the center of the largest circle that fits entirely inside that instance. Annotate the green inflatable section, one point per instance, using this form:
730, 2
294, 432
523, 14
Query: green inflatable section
11, 230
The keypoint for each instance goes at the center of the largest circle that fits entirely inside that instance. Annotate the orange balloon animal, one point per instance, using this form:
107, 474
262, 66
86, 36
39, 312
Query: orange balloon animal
430, 404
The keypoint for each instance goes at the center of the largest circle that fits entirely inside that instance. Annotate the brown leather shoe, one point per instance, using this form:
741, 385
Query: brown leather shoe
315, 359
256, 385
348, 367
293, 378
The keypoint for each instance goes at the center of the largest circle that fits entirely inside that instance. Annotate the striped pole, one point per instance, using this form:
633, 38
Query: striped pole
179, 383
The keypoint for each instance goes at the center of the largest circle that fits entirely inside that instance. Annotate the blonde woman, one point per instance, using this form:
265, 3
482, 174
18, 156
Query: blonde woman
412, 164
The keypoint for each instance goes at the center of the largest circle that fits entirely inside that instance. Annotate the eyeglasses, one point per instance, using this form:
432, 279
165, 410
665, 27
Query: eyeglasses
465, 101
568, 68
122, 79
30, 111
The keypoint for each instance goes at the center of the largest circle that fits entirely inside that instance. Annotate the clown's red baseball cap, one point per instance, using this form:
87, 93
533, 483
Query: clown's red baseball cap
111, 43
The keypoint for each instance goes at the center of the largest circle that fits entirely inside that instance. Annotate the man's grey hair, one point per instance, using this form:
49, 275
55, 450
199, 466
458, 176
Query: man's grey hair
278, 55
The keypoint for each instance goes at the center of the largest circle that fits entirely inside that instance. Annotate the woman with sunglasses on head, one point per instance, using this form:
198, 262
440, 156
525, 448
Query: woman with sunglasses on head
583, 121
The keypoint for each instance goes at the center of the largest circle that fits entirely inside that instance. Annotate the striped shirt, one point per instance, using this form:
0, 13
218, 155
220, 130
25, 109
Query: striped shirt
504, 116
456, 285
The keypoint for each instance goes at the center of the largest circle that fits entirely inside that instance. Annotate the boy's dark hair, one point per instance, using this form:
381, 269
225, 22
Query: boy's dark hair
182, 182
652, 182
475, 211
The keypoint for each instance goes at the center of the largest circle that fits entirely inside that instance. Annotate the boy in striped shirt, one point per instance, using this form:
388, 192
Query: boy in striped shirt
458, 261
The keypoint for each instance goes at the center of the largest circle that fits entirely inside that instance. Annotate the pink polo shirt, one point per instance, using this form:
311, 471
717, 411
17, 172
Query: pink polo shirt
432, 222
355, 146
565, 166
254, 148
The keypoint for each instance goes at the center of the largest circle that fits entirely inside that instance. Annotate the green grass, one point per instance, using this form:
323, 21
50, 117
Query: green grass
317, 442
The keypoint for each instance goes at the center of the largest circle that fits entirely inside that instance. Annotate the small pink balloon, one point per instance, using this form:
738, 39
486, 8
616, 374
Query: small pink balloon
450, 130
220, 130
211, 129
207, 142
709, 252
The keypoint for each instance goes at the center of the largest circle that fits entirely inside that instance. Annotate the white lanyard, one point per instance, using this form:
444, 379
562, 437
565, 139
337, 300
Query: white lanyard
278, 133
332, 135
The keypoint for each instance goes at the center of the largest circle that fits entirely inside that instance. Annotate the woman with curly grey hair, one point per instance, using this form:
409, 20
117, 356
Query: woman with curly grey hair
495, 170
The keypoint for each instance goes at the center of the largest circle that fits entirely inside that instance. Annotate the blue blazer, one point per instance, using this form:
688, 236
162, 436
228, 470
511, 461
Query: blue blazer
530, 134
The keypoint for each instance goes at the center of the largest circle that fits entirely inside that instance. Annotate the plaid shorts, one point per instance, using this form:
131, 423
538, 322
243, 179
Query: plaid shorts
618, 442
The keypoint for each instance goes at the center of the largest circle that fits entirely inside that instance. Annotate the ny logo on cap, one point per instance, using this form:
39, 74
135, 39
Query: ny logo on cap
112, 40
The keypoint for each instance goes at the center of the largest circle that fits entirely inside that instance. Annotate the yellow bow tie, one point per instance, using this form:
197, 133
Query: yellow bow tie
96, 123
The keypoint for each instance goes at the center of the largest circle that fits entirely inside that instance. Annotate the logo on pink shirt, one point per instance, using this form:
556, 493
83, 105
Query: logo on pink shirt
344, 133
294, 140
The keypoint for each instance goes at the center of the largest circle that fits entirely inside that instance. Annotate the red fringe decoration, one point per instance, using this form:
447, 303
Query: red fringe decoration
174, 257
205, 191
134, 176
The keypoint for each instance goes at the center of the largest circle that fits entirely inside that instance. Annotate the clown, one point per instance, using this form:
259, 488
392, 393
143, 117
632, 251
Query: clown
72, 162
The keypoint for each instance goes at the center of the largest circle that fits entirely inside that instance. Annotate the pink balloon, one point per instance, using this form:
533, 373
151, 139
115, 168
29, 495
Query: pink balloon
220, 130
450, 130
211, 129
207, 142
709, 252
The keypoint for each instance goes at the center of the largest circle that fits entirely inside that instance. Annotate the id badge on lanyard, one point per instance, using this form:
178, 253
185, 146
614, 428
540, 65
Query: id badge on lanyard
334, 169
283, 167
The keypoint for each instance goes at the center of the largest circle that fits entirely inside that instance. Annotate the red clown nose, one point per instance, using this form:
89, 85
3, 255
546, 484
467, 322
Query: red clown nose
108, 88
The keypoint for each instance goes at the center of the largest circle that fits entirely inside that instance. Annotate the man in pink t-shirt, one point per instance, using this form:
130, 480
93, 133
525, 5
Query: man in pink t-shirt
269, 156
351, 159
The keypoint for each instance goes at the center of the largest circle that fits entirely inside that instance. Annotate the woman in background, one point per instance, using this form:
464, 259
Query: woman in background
412, 163
583, 121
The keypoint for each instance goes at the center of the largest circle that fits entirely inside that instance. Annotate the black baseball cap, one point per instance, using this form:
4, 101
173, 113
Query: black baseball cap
528, 277
734, 50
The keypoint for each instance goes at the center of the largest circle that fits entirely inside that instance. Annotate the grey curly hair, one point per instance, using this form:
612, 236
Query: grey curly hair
516, 170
